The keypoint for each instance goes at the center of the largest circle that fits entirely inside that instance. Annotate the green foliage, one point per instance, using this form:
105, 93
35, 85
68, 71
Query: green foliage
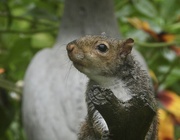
25, 28
162, 19
28, 26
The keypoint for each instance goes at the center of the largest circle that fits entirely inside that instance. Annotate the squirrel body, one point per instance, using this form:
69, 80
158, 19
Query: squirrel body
114, 76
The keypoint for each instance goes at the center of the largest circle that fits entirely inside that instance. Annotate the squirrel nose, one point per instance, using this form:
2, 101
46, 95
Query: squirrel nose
70, 47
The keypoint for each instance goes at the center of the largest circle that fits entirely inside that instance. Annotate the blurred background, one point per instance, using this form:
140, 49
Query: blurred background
29, 26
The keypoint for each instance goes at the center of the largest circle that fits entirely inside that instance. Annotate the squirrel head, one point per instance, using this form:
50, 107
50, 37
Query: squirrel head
99, 55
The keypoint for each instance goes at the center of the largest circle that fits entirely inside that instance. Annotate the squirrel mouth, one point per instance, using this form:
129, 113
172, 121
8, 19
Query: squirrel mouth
78, 65
82, 67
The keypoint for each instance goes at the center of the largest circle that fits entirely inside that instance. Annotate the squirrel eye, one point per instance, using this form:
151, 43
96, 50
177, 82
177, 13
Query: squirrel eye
102, 48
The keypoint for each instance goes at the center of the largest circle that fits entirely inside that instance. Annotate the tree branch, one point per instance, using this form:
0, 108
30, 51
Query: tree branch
10, 86
26, 19
169, 70
27, 32
155, 45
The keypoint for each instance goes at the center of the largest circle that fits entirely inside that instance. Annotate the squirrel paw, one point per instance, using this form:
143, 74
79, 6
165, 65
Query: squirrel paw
100, 96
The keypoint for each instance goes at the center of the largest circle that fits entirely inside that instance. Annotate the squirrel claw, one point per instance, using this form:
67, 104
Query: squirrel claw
105, 135
100, 96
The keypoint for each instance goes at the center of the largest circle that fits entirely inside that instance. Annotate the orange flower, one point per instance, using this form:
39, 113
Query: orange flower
171, 102
143, 25
168, 37
2, 70
166, 127
139, 24
176, 50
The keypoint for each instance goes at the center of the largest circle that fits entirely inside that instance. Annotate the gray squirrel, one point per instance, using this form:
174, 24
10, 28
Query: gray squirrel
120, 98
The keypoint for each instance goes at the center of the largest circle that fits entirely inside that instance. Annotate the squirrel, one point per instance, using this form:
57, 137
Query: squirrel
116, 81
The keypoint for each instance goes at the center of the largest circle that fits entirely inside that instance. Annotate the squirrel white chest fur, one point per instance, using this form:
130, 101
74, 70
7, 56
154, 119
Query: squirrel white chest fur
117, 86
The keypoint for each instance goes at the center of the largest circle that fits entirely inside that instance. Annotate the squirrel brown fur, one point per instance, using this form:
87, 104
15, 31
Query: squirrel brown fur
114, 76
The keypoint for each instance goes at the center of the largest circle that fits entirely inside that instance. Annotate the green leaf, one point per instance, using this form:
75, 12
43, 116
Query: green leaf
125, 11
145, 7
167, 9
42, 40
18, 57
172, 78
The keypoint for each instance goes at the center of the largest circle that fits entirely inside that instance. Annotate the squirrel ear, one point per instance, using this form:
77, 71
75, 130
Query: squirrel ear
126, 47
